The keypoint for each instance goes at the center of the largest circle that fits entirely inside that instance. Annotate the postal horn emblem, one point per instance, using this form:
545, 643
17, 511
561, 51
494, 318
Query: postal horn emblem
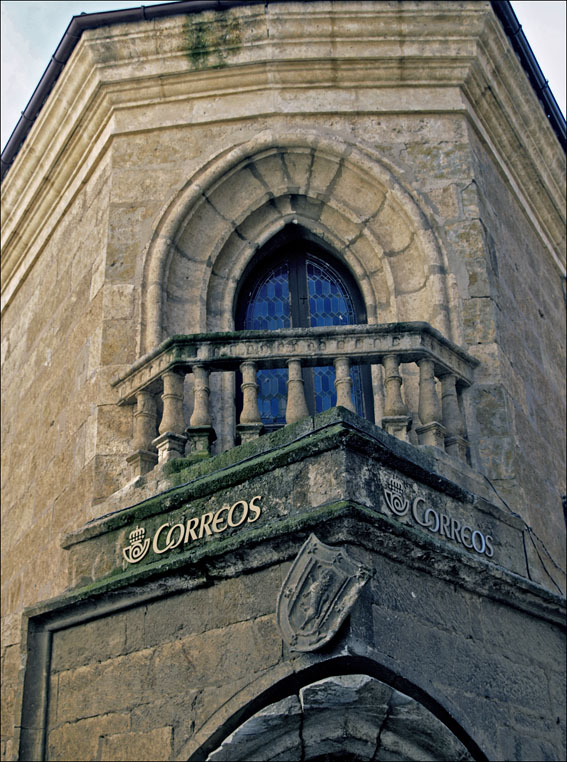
138, 547
320, 590
394, 494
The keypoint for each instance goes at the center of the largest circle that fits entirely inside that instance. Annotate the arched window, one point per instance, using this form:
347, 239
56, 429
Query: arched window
295, 283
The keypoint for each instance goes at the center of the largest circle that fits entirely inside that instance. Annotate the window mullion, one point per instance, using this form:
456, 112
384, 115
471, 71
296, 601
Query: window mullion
302, 302
296, 290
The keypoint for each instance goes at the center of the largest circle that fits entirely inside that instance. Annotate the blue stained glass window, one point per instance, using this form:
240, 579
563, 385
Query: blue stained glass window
327, 302
268, 308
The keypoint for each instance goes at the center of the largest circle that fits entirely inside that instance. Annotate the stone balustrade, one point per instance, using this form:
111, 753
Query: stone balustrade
443, 367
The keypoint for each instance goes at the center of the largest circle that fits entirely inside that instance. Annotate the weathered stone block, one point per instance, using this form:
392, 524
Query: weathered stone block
227, 602
110, 686
407, 269
135, 746
491, 409
353, 706
10, 668
411, 732
227, 197
118, 342
95, 641
440, 161
81, 740
479, 320
497, 455
118, 301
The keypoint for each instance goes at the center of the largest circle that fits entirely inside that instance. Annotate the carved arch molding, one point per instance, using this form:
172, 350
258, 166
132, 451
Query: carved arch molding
346, 196
349, 717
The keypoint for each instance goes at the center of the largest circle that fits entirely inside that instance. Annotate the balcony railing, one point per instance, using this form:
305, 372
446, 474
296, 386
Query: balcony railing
443, 367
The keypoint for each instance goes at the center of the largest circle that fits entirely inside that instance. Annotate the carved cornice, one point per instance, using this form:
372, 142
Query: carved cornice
364, 57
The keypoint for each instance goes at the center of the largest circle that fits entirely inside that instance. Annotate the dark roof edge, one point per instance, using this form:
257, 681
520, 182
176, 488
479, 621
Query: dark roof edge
503, 9
78, 24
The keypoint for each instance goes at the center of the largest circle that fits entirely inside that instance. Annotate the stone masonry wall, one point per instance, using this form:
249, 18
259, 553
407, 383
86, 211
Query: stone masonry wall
74, 321
162, 656
144, 683
52, 397
520, 400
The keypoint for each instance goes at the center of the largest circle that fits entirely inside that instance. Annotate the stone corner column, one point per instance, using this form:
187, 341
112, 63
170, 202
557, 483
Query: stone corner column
171, 440
144, 456
431, 431
250, 426
396, 420
296, 407
200, 432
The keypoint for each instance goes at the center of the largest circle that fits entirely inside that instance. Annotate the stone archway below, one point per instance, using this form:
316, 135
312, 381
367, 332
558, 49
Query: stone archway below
349, 717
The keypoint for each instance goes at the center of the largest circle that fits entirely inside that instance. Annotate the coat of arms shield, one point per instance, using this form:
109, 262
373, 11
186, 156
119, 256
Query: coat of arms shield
318, 594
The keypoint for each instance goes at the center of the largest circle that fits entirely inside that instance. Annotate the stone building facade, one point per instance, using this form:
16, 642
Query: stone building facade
340, 539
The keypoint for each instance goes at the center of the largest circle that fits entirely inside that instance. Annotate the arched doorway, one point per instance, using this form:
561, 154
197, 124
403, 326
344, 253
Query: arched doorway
352, 718
294, 282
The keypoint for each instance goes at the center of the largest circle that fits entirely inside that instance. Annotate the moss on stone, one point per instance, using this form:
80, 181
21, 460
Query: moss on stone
333, 429
209, 42
213, 548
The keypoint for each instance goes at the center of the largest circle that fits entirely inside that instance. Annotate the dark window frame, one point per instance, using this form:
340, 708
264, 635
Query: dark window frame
295, 245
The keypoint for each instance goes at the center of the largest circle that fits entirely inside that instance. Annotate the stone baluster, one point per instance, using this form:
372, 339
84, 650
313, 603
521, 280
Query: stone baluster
343, 383
455, 442
296, 408
396, 420
250, 426
144, 457
171, 441
431, 431
200, 431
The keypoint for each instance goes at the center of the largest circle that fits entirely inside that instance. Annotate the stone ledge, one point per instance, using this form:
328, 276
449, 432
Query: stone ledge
272, 485
290, 444
340, 523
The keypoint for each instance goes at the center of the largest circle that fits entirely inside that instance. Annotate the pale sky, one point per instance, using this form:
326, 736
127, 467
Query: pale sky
31, 32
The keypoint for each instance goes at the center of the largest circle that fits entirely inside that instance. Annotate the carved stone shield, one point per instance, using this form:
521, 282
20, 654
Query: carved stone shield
318, 594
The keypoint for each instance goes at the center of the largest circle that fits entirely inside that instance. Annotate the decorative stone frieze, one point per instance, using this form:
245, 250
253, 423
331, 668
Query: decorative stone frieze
409, 341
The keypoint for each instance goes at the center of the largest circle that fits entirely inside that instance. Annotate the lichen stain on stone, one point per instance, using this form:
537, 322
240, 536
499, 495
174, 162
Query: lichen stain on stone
208, 43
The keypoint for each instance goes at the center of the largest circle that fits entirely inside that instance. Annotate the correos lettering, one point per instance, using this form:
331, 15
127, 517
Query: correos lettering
169, 536
439, 523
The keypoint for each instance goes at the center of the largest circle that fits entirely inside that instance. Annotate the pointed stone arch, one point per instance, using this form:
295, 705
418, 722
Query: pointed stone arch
344, 715
346, 195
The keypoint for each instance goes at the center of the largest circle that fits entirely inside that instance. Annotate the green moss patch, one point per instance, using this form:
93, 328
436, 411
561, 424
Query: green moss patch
209, 42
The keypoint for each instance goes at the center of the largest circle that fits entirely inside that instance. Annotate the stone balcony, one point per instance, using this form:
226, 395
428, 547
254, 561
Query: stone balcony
445, 371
